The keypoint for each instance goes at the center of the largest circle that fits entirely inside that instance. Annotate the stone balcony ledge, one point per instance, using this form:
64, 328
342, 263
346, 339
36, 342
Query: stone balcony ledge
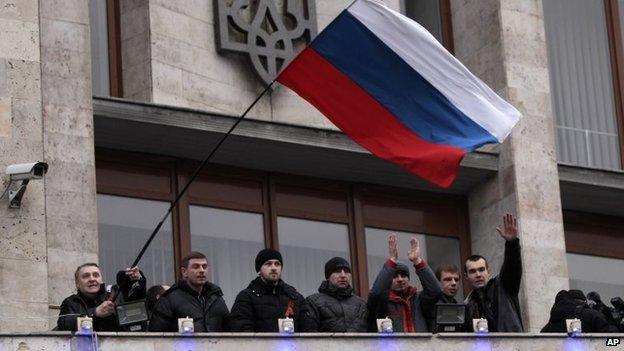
109, 341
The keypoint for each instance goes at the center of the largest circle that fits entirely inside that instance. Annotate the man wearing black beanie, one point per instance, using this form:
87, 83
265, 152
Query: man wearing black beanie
267, 298
335, 308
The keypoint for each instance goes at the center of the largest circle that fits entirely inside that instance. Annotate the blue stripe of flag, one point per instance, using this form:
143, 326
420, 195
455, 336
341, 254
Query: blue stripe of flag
353, 49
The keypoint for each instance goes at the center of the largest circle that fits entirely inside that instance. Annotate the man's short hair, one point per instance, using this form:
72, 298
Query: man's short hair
88, 264
192, 255
446, 267
475, 258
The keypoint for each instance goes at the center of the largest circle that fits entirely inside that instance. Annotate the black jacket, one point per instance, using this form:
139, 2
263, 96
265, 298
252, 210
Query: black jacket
334, 310
567, 307
208, 309
498, 300
258, 307
383, 303
79, 305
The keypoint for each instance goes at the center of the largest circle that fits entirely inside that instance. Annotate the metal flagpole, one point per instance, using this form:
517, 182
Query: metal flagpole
197, 171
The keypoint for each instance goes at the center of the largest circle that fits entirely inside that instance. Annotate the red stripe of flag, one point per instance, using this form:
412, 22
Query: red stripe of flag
366, 121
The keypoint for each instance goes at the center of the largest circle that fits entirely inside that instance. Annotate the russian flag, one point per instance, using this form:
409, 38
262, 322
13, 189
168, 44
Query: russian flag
390, 86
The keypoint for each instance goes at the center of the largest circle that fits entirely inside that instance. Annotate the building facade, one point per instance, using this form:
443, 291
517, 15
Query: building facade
124, 98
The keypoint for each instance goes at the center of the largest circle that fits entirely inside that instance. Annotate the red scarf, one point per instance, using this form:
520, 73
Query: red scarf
406, 307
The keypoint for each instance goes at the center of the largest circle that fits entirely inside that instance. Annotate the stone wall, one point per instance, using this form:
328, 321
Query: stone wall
23, 269
185, 69
509, 53
135, 50
71, 214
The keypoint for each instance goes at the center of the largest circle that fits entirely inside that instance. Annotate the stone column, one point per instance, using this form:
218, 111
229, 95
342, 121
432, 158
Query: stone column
136, 50
68, 144
503, 42
23, 270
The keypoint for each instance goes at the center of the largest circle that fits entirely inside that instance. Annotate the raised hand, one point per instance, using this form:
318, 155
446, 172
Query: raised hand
133, 273
414, 251
510, 227
393, 248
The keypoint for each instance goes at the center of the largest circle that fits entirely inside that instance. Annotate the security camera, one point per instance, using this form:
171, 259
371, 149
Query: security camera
27, 171
24, 172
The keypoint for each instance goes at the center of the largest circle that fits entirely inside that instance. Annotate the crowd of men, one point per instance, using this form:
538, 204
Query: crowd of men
335, 308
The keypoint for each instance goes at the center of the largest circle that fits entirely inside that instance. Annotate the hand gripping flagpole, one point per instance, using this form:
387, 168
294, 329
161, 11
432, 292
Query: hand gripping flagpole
197, 171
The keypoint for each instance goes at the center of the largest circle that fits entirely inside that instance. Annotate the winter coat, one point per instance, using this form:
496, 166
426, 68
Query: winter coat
258, 307
79, 305
406, 312
498, 300
568, 307
208, 309
334, 310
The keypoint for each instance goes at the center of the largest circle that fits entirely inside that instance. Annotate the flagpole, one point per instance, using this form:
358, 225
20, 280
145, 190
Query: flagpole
196, 173
201, 166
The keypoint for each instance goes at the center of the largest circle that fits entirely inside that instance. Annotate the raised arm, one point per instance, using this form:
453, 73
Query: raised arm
383, 281
511, 270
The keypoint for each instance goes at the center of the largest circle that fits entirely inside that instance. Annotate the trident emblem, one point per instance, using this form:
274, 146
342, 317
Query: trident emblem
256, 28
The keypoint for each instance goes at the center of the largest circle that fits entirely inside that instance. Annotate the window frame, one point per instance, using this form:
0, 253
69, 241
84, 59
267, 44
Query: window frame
616, 51
280, 195
593, 234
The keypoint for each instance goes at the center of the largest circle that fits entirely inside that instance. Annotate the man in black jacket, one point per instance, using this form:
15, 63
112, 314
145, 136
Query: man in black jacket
194, 297
448, 276
391, 295
335, 308
496, 299
267, 298
91, 298
573, 304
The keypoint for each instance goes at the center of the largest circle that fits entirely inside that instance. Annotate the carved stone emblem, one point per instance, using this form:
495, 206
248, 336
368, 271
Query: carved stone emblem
258, 29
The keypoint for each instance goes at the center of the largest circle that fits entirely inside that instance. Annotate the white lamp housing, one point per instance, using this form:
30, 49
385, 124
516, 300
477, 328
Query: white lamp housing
286, 325
574, 327
384, 325
480, 325
84, 325
186, 326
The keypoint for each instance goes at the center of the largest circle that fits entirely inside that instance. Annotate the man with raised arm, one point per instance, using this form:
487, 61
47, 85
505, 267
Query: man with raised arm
392, 296
496, 298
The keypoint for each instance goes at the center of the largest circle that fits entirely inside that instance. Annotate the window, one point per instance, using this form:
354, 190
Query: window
105, 48
230, 214
433, 249
124, 224
230, 240
584, 63
305, 246
595, 253
434, 15
600, 274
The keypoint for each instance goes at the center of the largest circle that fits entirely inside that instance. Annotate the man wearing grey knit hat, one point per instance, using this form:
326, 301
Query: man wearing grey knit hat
335, 308
267, 298
392, 296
